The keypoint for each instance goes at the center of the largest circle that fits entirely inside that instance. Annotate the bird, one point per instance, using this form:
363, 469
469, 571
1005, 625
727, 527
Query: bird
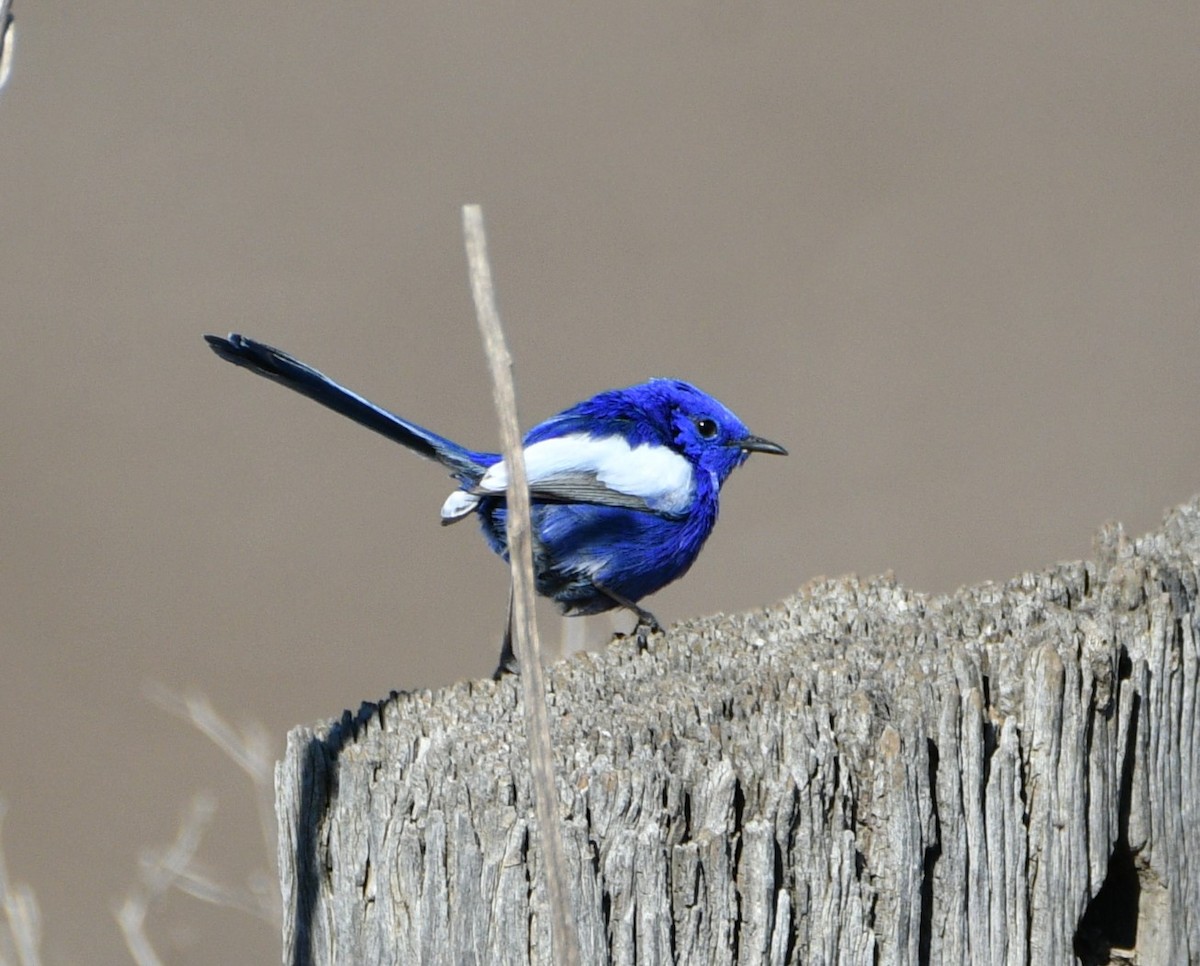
624, 486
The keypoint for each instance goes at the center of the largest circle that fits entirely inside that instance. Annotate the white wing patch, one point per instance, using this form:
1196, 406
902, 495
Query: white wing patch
586, 468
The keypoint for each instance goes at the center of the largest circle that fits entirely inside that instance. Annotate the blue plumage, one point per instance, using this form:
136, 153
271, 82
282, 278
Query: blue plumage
625, 486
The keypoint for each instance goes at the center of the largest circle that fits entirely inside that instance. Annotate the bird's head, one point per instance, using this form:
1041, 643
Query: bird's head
704, 429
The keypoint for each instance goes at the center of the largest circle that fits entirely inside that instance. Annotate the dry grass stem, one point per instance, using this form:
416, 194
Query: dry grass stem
158, 873
8, 36
564, 937
249, 747
176, 867
21, 932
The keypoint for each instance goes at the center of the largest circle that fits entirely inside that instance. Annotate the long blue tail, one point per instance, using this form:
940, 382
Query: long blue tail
283, 369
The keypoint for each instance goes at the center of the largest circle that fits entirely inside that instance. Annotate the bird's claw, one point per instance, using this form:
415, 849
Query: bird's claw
646, 626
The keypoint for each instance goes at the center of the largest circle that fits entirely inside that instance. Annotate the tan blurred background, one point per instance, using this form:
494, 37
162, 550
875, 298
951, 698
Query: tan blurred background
948, 256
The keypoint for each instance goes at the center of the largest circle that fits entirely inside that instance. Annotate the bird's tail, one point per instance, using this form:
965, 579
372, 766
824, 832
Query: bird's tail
287, 371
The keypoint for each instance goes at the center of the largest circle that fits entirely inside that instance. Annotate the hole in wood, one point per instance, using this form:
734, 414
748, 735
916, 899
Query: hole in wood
1111, 919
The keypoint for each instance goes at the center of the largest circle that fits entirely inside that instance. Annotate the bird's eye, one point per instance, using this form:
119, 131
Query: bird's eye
706, 428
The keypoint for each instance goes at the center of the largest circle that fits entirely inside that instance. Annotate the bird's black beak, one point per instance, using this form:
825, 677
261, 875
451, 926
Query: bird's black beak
756, 444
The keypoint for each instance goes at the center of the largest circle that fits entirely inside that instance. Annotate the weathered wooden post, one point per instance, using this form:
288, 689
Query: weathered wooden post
860, 773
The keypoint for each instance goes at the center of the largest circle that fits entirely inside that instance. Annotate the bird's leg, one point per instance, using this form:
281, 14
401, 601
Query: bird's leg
508, 660
647, 623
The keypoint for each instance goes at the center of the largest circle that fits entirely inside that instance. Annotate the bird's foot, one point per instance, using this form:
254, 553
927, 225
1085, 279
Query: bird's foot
647, 624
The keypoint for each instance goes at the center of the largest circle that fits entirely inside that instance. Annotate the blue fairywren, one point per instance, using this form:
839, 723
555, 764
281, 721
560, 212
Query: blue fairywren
624, 486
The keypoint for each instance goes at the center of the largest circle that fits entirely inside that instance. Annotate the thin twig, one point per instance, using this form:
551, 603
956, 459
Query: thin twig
563, 934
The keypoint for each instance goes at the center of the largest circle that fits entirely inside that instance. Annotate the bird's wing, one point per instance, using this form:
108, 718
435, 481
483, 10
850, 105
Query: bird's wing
585, 468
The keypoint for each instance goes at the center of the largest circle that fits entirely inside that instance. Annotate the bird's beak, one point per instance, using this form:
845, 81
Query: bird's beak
756, 444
